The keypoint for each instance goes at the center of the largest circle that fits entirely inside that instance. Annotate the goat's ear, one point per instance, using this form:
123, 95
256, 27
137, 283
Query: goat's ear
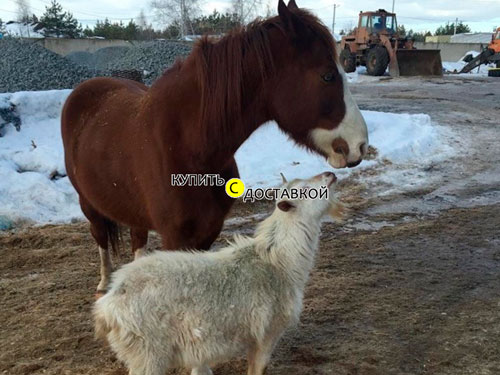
292, 5
283, 178
285, 206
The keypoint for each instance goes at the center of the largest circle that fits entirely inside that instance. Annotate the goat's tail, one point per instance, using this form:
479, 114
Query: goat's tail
102, 325
114, 233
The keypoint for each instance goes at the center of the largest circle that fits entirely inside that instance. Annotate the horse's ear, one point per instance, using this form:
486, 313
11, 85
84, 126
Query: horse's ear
284, 13
291, 21
292, 5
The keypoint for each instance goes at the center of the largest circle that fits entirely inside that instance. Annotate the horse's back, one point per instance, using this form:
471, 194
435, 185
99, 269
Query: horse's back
90, 97
92, 93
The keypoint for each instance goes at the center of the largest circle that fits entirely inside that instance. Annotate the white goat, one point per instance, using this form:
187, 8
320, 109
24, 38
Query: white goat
194, 309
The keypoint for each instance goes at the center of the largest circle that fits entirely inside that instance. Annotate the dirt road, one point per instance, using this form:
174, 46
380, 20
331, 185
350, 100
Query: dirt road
410, 284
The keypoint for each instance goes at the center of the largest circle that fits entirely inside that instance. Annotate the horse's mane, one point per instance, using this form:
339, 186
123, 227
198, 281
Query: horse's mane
223, 64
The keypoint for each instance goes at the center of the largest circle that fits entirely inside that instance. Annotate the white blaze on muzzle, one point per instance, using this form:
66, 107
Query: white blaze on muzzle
352, 129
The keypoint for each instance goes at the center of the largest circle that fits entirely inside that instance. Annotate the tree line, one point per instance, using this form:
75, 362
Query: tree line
215, 24
179, 19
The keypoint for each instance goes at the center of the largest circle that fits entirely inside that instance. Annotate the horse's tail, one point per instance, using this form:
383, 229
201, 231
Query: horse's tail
114, 233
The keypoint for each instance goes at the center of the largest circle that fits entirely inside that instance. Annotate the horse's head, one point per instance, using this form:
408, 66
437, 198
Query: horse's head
310, 99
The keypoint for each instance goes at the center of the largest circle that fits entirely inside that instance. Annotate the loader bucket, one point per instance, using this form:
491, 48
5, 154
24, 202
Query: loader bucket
416, 62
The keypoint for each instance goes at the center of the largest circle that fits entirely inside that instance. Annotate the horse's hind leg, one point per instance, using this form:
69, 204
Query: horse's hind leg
139, 239
98, 229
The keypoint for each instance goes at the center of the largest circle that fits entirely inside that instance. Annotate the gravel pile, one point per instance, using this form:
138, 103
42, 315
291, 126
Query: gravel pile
106, 57
82, 58
99, 60
152, 57
27, 66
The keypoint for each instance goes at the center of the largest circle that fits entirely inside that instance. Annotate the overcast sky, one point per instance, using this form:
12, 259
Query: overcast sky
421, 15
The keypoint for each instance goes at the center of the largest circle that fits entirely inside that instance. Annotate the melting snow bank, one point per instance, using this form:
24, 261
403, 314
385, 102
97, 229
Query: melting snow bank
34, 188
455, 67
401, 139
31, 162
360, 75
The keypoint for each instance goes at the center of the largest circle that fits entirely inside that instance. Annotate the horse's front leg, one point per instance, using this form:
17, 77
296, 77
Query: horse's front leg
139, 240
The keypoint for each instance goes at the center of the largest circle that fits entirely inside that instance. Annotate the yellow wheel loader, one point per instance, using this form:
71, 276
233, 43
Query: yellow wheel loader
376, 44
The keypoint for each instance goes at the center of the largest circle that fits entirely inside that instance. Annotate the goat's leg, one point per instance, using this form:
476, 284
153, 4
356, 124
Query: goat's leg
202, 370
260, 354
148, 369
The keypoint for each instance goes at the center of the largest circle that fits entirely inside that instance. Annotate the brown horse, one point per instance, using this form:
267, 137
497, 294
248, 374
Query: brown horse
123, 140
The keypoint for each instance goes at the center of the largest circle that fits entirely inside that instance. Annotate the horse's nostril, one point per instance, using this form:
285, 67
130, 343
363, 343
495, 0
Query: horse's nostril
363, 149
340, 146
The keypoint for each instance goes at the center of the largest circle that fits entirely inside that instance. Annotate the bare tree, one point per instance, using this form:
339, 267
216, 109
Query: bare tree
142, 22
176, 11
246, 10
348, 27
270, 10
23, 10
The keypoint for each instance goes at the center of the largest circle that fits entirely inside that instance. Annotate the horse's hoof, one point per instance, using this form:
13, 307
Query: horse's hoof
100, 293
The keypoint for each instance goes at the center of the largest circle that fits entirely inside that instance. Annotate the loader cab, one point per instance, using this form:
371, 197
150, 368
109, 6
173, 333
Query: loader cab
495, 42
496, 37
380, 22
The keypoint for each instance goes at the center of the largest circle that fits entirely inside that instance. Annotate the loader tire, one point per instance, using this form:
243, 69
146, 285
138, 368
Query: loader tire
348, 61
494, 73
377, 61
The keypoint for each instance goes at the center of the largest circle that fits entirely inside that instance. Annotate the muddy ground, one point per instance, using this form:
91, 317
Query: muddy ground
409, 284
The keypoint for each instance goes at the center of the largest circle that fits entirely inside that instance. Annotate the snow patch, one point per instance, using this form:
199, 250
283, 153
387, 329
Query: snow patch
34, 186
31, 162
457, 66
360, 75
22, 30
399, 138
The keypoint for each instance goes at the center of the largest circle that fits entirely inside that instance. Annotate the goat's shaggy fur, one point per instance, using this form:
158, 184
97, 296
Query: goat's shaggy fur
178, 309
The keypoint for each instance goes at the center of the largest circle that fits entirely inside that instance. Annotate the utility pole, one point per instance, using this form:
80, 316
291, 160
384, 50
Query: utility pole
335, 6
393, 1
240, 9
455, 29
183, 18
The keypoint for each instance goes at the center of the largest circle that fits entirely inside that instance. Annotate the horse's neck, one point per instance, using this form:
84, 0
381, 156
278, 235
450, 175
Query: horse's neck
177, 97
219, 149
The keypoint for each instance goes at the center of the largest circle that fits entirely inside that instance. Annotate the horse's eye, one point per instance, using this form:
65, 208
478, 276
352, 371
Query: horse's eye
328, 77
